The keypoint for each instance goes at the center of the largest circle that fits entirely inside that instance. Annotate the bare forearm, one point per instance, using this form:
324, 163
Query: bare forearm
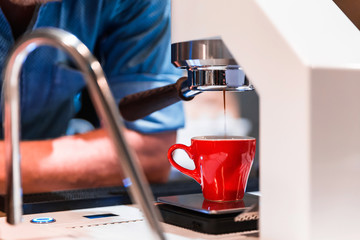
88, 160
70, 162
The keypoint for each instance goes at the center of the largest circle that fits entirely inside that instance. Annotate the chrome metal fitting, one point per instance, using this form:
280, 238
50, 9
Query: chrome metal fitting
210, 66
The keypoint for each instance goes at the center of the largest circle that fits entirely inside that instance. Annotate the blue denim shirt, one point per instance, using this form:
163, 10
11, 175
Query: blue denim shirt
131, 39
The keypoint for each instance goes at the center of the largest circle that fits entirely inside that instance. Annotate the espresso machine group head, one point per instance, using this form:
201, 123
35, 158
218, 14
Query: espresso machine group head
209, 66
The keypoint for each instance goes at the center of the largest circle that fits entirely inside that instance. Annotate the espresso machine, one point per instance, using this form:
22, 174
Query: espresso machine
303, 57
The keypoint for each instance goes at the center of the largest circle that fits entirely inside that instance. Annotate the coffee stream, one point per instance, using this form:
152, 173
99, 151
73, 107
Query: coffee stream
224, 99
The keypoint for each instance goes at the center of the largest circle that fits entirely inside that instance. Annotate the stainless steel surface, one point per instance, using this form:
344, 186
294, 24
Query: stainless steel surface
211, 52
228, 78
105, 107
210, 67
196, 202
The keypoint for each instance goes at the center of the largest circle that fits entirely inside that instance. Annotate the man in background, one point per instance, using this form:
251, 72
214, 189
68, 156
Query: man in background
131, 39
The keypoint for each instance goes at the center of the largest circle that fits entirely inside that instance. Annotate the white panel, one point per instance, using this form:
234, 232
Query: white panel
335, 178
318, 30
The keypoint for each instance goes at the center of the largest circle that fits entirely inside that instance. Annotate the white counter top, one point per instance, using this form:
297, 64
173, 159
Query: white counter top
128, 223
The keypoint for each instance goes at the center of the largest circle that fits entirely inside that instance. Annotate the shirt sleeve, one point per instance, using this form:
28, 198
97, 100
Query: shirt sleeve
135, 54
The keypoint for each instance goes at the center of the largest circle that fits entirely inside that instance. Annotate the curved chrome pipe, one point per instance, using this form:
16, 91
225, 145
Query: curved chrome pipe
104, 104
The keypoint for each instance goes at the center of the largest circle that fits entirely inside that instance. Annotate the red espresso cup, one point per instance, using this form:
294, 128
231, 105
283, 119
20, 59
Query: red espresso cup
222, 165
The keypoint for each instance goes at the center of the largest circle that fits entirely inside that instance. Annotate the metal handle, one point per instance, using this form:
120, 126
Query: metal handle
139, 105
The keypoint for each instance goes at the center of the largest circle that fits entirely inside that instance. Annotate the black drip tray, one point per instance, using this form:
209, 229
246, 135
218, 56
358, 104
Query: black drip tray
205, 223
96, 197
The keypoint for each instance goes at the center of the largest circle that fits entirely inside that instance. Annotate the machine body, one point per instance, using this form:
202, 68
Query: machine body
303, 58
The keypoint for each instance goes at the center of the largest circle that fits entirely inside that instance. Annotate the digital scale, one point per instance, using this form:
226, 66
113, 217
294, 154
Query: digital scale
193, 212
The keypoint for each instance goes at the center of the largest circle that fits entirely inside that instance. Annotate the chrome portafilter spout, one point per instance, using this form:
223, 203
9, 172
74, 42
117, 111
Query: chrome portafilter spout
104, 104
209, 66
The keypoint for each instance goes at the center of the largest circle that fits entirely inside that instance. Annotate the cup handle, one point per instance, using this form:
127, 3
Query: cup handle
195, 174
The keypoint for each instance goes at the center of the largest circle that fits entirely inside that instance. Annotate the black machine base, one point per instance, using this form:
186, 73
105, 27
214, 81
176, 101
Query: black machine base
218, 222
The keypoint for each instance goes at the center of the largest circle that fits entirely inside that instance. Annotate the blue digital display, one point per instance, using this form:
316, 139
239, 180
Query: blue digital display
101, 215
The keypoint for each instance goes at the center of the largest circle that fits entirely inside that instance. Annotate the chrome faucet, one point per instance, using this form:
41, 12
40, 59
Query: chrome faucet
104, 104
